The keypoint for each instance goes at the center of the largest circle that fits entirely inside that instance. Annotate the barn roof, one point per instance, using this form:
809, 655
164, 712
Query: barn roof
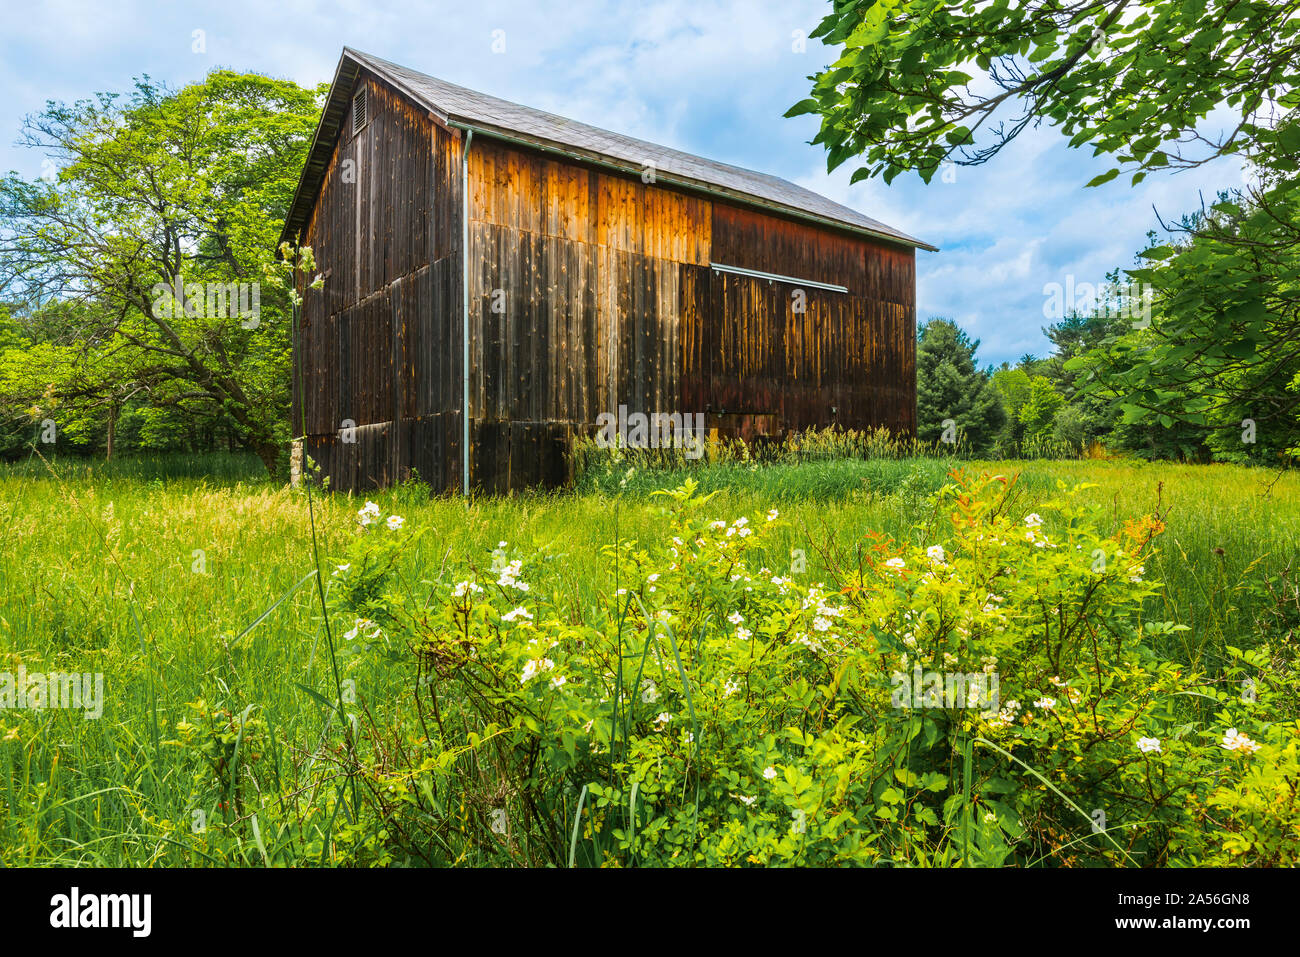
491, 116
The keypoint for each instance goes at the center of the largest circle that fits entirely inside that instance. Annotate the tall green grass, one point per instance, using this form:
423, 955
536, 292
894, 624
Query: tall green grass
216, 467
151, 571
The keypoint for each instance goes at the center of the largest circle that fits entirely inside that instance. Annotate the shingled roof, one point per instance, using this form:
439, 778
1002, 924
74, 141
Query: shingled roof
488, 115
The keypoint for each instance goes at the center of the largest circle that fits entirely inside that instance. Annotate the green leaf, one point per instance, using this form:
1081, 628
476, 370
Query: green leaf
317, 696
1105, 177
906, 777
802, 107
1157, 252
935, 782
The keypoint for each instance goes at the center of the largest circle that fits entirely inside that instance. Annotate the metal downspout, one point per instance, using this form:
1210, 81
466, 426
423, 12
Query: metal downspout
464, 331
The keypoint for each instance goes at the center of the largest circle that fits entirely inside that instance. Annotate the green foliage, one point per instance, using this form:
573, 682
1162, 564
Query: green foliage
1217, 365
1131, 80
717, 712
1038, 413
1135, 82
949, 387
222, 741
15, 427
444, 733
1258, 813
1070, 427
161, 184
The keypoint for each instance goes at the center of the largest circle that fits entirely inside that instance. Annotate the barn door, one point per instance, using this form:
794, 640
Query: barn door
744, 347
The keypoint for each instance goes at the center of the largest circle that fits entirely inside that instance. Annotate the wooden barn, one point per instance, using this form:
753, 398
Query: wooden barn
496, 277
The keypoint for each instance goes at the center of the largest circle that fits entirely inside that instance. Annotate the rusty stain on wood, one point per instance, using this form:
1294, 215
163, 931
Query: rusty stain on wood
588, 289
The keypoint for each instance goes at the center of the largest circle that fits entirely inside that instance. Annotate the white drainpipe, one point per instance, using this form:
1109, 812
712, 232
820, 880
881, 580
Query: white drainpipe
464, 332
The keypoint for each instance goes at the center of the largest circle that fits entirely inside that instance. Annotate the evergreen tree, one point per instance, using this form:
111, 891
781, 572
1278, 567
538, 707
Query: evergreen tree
1088, 417
953, 396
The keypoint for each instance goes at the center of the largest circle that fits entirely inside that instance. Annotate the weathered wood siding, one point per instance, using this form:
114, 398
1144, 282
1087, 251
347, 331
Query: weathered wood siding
847, 359
588, 289
575, 301
380, 343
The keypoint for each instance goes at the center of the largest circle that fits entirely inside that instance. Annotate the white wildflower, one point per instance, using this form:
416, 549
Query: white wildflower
1236, 741
509, 576
811, 644
534, 667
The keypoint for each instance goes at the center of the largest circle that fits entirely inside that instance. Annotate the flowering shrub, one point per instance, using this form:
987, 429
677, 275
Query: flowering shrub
1053, 608
225, 742
1258, 814
1252, 817
990, 693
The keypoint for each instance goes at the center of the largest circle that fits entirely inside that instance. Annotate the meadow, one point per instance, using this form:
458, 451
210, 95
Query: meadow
188, 583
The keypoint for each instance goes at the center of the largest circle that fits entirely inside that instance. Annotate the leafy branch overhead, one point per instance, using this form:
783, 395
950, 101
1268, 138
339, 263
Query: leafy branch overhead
1223, 348
922, 82
1155, 85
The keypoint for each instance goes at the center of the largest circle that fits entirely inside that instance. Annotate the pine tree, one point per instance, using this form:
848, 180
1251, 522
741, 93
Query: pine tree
954, 398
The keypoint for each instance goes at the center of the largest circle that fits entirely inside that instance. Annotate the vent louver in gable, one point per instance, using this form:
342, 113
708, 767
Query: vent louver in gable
359, 111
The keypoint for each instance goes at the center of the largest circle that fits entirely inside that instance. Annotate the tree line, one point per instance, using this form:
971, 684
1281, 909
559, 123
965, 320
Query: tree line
138, 304
187, 189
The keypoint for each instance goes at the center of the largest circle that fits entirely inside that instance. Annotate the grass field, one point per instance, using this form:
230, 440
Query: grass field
153, 571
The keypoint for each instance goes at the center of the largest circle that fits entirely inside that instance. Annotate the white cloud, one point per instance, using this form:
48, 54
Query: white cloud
713, 79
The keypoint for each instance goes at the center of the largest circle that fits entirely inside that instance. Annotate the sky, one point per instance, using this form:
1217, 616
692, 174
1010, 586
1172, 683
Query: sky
710, 78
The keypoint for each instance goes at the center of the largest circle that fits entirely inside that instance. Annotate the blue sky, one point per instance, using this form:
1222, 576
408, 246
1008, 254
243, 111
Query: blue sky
712, 78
